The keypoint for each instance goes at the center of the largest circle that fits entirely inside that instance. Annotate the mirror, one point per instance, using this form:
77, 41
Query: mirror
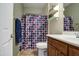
71, 16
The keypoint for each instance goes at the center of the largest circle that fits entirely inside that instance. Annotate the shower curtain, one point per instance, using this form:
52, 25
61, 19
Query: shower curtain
34, 30
68, 23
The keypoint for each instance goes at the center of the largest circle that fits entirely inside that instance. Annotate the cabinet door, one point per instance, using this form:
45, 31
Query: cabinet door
58, 53
61, 46
73, 51
51, 50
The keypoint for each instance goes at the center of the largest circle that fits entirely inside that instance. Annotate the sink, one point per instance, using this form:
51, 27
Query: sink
73, 34
70, 36
77, 34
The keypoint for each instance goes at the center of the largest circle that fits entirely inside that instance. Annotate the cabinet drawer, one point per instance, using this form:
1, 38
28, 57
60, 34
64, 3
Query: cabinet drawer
61, 46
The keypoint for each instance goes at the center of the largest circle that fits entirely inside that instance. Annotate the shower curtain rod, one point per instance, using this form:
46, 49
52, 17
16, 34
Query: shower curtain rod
34, 14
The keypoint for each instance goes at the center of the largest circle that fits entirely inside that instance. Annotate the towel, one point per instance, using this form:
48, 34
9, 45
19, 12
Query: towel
18, 35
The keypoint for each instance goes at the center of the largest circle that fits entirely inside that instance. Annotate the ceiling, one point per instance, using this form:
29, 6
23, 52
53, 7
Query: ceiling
35, 5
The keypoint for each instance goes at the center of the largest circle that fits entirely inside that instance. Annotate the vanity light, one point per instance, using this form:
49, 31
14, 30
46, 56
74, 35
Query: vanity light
56, 14
63, 9
56, 7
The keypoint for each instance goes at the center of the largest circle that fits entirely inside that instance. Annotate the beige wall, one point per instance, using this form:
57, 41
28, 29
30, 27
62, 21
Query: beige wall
39, 11
18, 11
56, 25
73, 10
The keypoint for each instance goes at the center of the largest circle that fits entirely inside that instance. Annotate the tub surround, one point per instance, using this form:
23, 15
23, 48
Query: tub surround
63, 45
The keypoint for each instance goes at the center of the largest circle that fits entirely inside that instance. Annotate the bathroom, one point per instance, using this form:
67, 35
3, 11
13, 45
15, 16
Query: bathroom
35, 19
40, 29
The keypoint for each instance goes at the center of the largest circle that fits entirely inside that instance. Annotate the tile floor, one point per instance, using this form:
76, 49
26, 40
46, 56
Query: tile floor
28, 52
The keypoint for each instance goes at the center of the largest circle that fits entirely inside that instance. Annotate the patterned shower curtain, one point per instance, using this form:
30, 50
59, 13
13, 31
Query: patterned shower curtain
34, 30
68, 23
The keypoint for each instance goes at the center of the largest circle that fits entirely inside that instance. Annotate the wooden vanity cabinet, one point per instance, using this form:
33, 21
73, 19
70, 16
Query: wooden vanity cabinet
58, 53
73, 51
51, 50
56, 48
59, 48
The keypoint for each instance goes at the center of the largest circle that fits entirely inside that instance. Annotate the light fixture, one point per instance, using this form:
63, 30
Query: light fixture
56, 7
56, 14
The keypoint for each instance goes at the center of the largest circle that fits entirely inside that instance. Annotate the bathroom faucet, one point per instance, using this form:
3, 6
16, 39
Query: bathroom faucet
77, 34
77, 28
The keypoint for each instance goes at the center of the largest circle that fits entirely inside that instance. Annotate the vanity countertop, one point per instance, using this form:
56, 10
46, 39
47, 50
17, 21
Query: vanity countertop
70, 39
